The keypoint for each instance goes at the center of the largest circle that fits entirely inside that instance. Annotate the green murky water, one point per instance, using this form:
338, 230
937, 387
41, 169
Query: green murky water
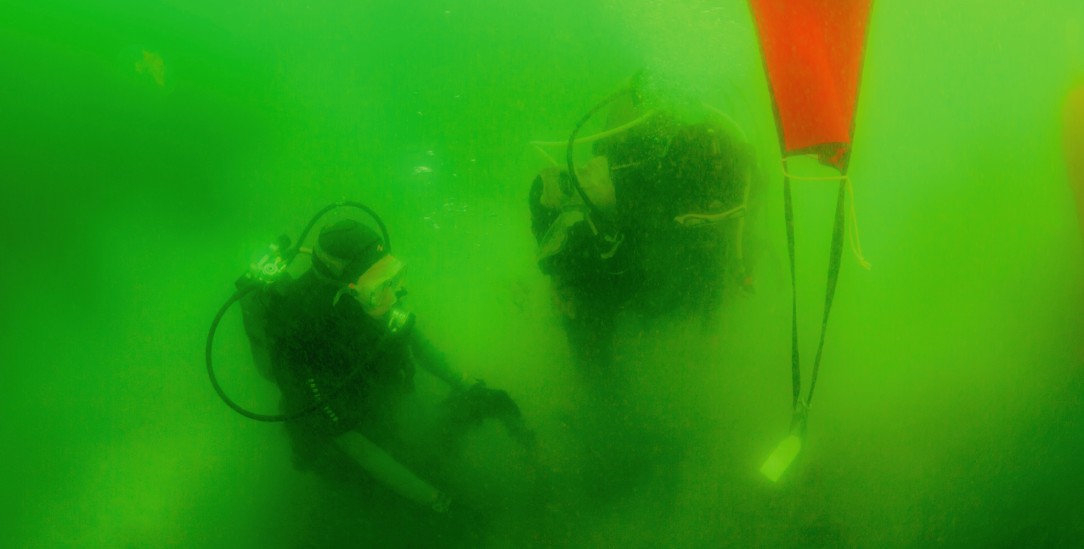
149, 149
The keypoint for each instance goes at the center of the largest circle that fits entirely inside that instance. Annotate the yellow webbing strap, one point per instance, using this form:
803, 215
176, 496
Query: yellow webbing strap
852, 227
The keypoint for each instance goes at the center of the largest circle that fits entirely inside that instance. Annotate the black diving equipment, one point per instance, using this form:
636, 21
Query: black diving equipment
251, 293
398, 320
478, 402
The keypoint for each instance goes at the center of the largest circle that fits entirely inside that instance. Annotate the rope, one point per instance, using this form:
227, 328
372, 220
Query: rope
856, 243
852, 227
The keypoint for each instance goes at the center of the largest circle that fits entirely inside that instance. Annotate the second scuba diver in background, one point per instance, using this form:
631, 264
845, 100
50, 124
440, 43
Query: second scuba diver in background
652, 224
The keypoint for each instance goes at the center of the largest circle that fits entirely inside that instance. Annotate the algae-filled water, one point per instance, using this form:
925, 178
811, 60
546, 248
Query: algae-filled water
151, 149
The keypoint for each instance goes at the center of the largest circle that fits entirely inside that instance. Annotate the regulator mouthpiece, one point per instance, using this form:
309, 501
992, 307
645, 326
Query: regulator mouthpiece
398, 320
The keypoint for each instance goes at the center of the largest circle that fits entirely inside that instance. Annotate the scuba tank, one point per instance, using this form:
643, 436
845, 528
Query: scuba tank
254, 307
253, 292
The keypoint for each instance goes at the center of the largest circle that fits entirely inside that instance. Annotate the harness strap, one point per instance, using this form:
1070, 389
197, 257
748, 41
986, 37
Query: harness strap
833, 276
835, 255
795, 363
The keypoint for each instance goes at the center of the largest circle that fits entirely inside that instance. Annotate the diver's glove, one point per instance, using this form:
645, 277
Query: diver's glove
441, 503
478, 402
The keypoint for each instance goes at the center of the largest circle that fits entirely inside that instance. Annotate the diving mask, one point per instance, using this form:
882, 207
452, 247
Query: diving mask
379, 288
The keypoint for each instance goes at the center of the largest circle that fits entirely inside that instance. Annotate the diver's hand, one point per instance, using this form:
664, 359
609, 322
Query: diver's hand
456, 521
441, 503
478, 403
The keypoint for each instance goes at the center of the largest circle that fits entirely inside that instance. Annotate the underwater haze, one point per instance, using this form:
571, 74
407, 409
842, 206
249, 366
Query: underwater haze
152, 149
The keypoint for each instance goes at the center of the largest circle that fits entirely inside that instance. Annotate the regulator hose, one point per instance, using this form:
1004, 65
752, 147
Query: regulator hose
609, 229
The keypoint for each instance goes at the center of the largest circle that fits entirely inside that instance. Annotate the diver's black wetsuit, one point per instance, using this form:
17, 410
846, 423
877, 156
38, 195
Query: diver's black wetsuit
332, 351
338, 353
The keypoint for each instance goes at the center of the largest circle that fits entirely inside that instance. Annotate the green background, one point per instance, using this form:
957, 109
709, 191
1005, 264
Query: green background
949, 408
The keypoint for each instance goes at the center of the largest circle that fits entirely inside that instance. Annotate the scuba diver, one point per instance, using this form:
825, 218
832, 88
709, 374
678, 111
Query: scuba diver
652, 224
343, 351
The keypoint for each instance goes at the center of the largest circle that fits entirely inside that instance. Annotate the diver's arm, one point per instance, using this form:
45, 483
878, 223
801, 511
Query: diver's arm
427, 356
389, 472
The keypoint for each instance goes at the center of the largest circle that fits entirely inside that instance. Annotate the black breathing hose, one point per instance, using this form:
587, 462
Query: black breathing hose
572, 167
238, 296
292, 252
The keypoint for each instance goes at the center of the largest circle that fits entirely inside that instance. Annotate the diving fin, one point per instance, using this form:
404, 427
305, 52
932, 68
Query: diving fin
784, 453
